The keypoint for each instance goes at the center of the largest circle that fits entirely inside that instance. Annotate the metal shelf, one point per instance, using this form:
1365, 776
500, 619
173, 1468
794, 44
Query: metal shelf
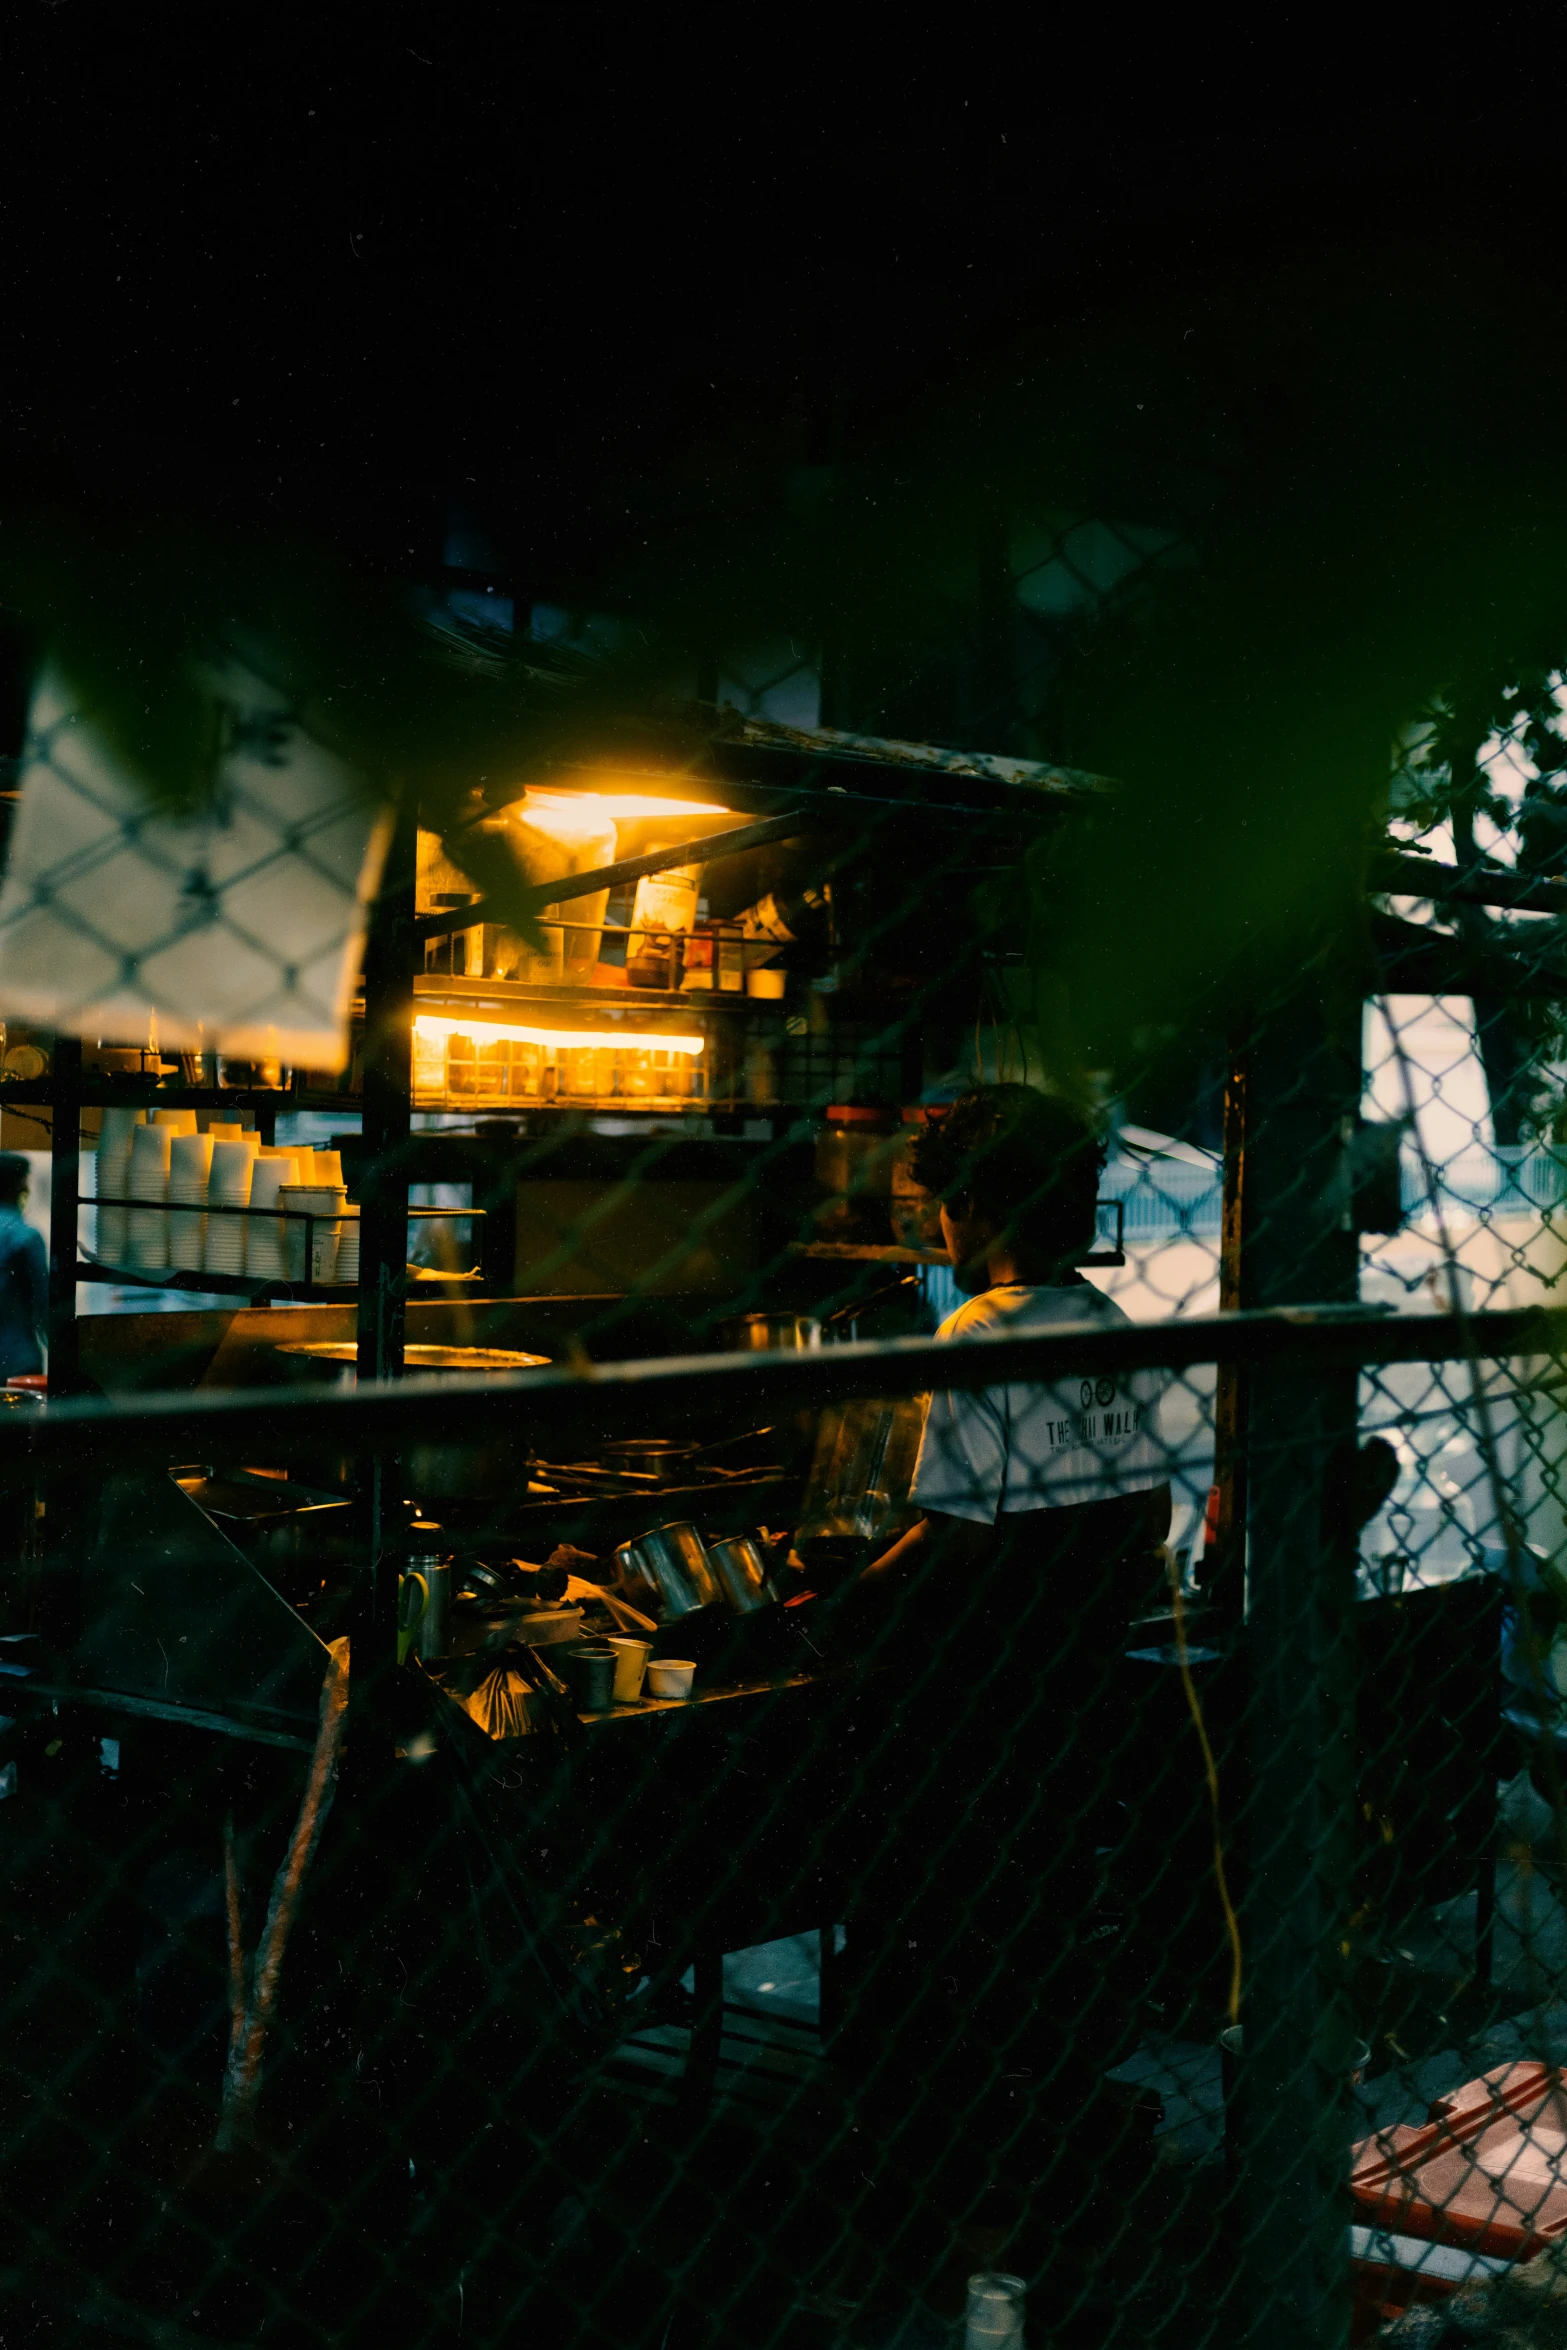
219, 1284
131, 1093
434, 987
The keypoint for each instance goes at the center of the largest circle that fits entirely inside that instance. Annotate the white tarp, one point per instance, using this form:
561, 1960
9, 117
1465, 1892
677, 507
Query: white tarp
240, 930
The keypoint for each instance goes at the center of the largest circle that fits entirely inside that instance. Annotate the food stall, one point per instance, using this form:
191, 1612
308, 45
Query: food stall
670, 1118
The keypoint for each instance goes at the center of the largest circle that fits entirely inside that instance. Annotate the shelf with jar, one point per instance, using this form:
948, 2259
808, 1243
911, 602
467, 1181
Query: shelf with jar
494, 1043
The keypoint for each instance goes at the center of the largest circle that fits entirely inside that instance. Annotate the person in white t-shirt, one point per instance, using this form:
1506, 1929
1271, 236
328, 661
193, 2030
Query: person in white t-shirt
1017, 1173
1005, 1609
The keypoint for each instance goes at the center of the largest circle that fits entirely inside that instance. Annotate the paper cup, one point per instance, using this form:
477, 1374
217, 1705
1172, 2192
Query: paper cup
767, 985
630, 1668
307, 1240
670, 1676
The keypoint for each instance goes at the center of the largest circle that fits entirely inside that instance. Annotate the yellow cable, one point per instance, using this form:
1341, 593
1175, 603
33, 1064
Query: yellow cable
1211, 1774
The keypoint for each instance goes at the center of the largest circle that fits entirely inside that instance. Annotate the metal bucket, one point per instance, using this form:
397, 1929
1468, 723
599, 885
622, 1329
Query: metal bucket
671, 1563
742, 1576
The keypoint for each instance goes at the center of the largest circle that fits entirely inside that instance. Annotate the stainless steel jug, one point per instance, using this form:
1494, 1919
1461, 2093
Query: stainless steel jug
671, 1563
742, 1575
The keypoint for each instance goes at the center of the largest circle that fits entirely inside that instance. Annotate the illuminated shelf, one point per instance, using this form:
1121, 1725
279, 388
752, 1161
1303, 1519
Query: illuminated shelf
434, 990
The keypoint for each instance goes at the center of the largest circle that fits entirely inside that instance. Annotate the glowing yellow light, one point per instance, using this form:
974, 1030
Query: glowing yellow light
631, 804
432, 1029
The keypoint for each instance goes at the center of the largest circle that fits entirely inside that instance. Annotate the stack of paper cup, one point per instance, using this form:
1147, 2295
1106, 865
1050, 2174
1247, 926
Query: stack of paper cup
233, 1162
147, 1240
190, 1165
347, 1267
114, 1178
328, 1167
177, 1121
318, 1251
266, 1245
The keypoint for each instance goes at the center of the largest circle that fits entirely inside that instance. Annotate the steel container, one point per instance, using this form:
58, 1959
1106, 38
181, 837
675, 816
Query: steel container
741, 1573
435, 1472
671, 1563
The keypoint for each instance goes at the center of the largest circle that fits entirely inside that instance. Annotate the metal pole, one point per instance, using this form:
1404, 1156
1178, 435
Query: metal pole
1293, 2125
1225, 1581
383, 1217
65, 1144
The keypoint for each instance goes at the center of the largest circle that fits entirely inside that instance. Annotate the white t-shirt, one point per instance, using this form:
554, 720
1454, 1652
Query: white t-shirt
991, 1452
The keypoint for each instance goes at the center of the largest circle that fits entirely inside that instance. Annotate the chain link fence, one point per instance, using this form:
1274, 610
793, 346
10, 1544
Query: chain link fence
898, 1675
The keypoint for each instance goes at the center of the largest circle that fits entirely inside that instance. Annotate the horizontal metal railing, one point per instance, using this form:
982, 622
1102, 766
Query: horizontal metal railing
603, 1398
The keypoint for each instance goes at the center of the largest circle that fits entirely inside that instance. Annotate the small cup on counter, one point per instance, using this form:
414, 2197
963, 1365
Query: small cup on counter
630, 1667
670, 1676
589, 1667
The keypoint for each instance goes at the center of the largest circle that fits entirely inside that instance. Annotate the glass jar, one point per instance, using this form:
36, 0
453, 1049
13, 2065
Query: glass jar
462, 1067
429, 1069
916, 1212
854, 1152
493, 1070
579, 1077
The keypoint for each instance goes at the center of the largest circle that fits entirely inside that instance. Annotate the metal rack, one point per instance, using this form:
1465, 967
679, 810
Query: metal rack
782, 782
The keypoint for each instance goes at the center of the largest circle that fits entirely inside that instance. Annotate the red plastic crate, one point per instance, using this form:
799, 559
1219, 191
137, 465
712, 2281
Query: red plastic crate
1485, 2177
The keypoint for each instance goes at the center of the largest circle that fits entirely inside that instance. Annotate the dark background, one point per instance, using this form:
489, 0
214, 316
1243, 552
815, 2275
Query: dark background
639, 298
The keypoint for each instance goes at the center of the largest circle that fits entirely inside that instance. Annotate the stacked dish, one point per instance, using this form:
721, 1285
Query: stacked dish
312, 1248
114, 1178
147, 1237
190, 1165
347, 1269
233, 1162
266, 1242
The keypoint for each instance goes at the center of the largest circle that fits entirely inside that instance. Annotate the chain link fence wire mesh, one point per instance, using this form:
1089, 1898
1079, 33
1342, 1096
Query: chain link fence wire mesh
1093, 1809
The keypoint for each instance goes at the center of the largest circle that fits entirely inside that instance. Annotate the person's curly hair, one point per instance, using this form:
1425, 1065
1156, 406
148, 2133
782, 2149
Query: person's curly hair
1029, 1161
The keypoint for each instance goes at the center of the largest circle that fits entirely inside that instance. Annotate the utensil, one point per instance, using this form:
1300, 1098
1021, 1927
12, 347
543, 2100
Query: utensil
671, 1563
590, 1666
650, 1455
862, 1468
424, 1599
630, 1667
547, 1627
421, 1359
625, 1615
670, 1676
741, 1573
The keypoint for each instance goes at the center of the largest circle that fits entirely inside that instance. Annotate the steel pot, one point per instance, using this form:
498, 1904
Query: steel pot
650, 1456
742, 1575
435, 1472
671, 1563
